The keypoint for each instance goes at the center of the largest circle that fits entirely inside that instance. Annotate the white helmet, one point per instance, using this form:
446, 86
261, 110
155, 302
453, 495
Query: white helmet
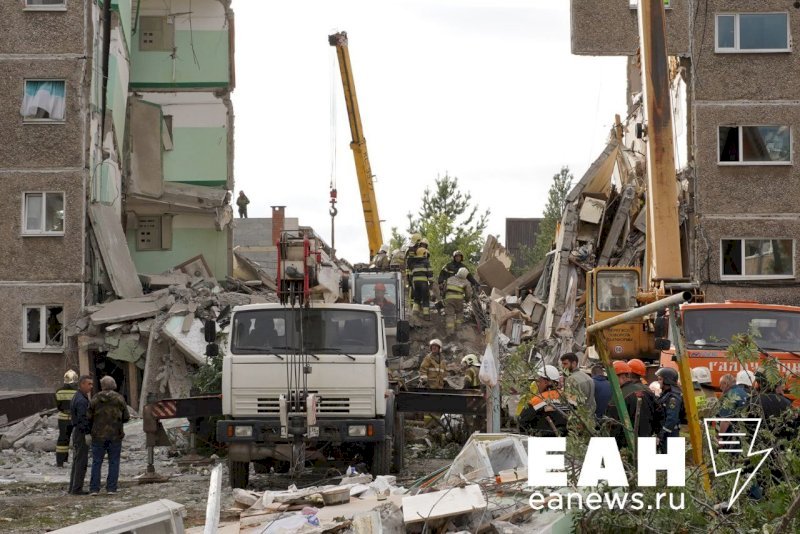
384, 249
745, 378
549, 372
655, 387
70, 377
471, 359
435, 342
463, 273
701, 375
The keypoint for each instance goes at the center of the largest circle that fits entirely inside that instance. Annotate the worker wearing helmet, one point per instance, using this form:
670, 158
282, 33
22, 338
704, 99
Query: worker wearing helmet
397, 259
411, 257
640, 402
388, 309
64, 396
434, 369
671, 402
704, 397
471, 365
639, 369
546, 413
457, 293
452, 268
381, 259
421, 280
735, 397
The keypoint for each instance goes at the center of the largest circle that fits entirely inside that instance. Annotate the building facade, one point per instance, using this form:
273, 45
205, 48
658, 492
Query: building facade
736, 113
116, 158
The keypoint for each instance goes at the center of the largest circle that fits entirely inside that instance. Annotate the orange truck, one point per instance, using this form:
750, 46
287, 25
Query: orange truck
710, 327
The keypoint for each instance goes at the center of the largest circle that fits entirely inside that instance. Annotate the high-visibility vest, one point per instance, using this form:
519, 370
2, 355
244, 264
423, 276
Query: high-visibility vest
455, 292
421, 273
63, 399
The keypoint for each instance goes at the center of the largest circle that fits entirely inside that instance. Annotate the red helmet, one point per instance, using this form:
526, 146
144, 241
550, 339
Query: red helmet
622, 368
637, 366
380, 287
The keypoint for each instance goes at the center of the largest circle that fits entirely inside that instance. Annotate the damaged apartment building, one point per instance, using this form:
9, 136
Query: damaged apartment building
116, 156
735, 115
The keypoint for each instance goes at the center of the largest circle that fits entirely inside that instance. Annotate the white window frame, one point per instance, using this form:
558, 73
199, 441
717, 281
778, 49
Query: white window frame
634, 4
33, 7
736, 49
41, 346
747, 163
24, 221
29, 120
723, 276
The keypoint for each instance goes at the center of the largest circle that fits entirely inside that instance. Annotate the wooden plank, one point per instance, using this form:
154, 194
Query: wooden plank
445, 503
133, 384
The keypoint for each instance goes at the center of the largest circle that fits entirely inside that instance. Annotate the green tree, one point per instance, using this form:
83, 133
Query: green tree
398, 240
450, 221
553, 210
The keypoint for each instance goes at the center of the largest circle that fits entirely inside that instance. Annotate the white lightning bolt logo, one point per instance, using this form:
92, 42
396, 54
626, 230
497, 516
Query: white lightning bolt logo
731, 443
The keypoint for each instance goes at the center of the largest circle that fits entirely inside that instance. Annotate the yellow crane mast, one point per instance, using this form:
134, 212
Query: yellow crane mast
359, 145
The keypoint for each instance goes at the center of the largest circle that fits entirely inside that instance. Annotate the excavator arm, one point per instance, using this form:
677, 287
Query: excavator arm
359, 145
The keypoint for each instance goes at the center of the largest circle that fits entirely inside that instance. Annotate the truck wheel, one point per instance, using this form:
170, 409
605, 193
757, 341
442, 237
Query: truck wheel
238, 474
399, 442
381, 457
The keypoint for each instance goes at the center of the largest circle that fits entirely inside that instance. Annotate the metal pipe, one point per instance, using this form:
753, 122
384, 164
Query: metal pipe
641, 311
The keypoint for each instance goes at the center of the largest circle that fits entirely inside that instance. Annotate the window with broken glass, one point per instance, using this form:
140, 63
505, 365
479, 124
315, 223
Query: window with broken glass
755, 145
757, 258
43, 327
43, 213
752, 33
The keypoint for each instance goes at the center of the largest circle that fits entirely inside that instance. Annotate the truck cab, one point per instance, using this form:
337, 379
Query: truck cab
385, 289
306, 382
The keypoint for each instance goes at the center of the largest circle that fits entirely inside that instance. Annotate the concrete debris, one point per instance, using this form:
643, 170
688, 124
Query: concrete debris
445, 503
161, 516
17, 431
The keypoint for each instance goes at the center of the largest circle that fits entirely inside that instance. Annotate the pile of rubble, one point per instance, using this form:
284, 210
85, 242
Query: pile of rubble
161, 332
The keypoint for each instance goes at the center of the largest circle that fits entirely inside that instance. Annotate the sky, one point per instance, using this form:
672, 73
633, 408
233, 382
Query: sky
486, 91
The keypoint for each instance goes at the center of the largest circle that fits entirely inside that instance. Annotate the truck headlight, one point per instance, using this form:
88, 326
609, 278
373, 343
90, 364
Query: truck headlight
357, 430
243, 431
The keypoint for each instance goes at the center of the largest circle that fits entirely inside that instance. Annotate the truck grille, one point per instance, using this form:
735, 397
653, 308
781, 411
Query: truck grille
336, 405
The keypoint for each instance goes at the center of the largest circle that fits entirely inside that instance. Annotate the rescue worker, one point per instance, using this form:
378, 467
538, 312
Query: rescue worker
602, 390
734, 398
704, 397
433, 368
578, 386
671, 402
398, 258
381, 259
457, 293
639, 369
471, 366
546, 413
242, 201
421, 279
772, 406
452, 268
640, 402
387, 307
63, 400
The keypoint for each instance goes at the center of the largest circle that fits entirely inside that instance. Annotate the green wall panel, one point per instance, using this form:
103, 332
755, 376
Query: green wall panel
210, 47
199, 155
186, 243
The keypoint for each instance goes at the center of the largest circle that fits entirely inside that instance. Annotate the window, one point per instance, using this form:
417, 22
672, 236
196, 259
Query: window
156, 34
755, 145
43, 100
46, 5
753, 32
43, 214
715, 327
43, 327
154, 232
616, 290
757, 258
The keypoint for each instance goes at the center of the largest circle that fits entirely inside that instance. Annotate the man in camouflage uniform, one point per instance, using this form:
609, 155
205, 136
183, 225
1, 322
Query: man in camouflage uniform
63, 400
107, 412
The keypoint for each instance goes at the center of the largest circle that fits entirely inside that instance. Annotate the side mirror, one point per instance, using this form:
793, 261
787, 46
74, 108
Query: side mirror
403, 331
401, 349
661, 326
662, 343
210, 330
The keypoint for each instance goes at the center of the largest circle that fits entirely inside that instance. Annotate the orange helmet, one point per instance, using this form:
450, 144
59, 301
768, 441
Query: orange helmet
637, 366
380, 287
622, 368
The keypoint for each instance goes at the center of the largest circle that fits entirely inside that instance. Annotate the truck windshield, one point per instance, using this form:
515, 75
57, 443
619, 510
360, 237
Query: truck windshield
779, 330
315, 331
616, 290
380, 292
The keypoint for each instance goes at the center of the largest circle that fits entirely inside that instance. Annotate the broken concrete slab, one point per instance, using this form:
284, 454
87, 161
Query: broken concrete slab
494, 274
444, 503
114, 251
125, 310
197, 267
192, 343
164, 280
17, 431
163, 516
128, 349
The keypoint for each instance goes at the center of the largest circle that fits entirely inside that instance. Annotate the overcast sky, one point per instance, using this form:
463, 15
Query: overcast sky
484, 90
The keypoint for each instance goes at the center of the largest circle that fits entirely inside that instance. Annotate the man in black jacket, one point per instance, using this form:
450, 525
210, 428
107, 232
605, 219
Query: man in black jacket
81, 430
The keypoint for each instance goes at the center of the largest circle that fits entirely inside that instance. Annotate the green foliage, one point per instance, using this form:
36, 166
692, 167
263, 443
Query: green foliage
553, 210
398, 240
208, 378
449, 221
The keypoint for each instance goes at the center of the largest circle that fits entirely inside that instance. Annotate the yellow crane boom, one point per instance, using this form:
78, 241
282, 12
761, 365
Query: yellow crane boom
358, 145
